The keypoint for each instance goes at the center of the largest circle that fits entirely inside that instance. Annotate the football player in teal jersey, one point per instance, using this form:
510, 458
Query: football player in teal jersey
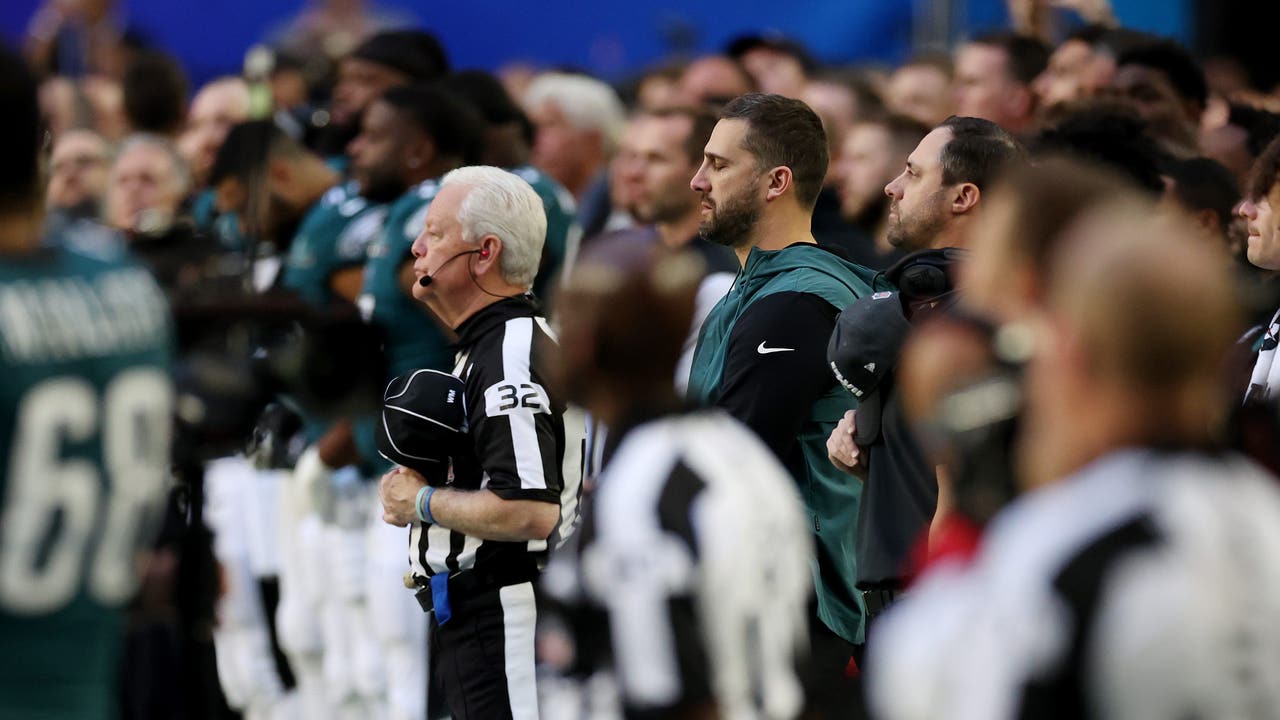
86, 414
508, 142
275, 185
410, 136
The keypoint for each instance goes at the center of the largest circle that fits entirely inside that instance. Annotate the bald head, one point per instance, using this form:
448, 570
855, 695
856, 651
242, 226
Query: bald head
215, 109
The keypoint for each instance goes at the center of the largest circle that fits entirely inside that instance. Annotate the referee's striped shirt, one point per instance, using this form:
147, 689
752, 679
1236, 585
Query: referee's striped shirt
528, 442
1144, 586
689, 583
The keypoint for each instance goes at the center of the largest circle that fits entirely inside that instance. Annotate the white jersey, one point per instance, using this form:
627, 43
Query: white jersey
1147, 585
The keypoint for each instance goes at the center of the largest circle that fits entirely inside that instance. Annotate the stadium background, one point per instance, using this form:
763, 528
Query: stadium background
611, 38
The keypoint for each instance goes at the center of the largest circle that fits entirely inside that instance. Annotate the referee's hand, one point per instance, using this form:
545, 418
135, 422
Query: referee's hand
841, 449
398, 489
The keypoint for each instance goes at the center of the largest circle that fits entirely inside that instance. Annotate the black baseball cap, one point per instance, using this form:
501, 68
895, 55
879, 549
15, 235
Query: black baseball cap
424, 422
863, 351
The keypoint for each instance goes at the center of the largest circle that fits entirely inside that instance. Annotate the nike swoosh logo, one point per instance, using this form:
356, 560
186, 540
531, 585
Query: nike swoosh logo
766, 350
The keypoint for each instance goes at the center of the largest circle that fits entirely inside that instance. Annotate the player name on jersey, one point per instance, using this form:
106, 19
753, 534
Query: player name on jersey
62, 319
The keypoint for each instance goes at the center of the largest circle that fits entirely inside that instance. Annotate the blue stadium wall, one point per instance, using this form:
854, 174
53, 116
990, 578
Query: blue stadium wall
610, 37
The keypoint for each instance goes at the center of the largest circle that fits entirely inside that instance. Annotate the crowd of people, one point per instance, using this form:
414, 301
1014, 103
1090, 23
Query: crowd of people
364, 386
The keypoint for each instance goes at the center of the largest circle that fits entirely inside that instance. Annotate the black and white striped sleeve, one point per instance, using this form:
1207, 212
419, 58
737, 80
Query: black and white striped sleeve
515, 425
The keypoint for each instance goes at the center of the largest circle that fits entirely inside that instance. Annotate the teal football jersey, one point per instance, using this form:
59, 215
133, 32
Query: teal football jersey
414, 339
335, 234
86, 417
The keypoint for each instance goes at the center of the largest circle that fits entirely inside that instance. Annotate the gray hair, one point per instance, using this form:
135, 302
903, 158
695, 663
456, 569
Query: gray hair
181, 173
502, 204
587, 103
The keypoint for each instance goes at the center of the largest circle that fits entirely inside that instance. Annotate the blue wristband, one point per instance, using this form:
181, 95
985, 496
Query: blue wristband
422, 504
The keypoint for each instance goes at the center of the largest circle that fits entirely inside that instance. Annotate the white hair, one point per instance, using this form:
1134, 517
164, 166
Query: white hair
587, 103
502, 204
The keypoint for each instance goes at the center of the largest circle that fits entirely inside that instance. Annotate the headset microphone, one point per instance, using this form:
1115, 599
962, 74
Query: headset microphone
426, 280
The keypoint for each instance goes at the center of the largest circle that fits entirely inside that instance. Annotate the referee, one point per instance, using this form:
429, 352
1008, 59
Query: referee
688, 585
1135, 575
479, 540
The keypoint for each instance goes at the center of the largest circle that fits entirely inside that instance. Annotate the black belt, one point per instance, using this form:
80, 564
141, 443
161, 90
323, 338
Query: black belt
878, 599
466, 585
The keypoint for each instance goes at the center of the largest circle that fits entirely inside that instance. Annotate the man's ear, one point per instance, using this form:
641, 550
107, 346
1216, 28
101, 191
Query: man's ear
781, 180
490, 247
965, 198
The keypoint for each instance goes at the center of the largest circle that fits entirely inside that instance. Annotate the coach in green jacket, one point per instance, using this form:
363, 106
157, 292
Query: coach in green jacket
762, 351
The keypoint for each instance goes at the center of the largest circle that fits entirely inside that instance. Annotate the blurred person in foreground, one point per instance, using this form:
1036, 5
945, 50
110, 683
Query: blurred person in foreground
478, 543
1081, 600
689, 582
976, 348
79, 168
762, 352
87, 419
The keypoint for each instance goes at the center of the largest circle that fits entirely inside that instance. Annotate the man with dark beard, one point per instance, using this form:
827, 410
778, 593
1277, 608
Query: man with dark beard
873, 153
932, 203
762, 352
937, 194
